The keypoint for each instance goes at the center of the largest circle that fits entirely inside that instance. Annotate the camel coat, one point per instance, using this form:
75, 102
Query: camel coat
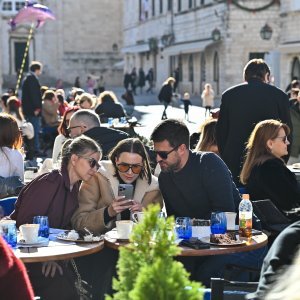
98, 193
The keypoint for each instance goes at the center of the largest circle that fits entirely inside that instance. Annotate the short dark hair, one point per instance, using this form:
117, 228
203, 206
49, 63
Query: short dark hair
256, 68
172, 130
35, 65
132, 145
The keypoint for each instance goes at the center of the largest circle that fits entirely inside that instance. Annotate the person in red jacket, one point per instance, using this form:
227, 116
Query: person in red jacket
14, 281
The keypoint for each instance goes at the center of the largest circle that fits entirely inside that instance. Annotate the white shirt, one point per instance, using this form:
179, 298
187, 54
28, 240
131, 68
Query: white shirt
58, 143
12, 163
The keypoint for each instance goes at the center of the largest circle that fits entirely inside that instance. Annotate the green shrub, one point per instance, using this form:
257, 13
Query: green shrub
146, 267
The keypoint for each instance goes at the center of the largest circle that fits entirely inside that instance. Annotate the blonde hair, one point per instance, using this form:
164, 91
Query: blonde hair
169, 80
85, 97
208, 135
257, 149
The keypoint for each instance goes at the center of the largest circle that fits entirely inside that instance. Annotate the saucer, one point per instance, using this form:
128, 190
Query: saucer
40, 241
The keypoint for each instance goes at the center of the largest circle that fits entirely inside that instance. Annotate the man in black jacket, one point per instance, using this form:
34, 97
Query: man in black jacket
32, 101
87, 122
242, 107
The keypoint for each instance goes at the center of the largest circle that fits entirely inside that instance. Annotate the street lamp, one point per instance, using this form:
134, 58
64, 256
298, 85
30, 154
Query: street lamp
266, 32
216, 35
167, 39
153, 45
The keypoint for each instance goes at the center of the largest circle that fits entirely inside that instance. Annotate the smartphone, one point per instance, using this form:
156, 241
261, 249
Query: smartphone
126, 190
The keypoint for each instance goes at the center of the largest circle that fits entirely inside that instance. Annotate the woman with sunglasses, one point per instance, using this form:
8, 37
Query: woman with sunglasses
99, 203
55, 194
264, 171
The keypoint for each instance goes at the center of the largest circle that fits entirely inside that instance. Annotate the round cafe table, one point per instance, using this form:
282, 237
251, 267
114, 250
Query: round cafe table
256, 242
57, 251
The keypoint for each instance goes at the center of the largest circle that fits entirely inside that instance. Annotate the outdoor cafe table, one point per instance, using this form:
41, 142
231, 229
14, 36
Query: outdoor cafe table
57, 250
257, 241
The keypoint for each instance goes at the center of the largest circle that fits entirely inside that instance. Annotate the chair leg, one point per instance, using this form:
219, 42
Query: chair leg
217, 288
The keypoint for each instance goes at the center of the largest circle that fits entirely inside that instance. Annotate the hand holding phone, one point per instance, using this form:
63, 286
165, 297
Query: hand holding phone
125, 190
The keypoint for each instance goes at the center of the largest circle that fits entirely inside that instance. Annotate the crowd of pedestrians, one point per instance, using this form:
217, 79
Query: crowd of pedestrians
247, 146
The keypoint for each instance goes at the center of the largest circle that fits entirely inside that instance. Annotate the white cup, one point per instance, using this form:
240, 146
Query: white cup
124, 229
230, 218
138, 216
30, 232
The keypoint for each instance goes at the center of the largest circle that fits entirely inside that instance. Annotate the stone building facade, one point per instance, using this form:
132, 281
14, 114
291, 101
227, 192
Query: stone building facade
85, 38
210, 40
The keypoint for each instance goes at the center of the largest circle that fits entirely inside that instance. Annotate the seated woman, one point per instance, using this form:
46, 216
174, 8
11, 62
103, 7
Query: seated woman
99, 203
208, 141
264, 171
11, 159
109, 107
63, 133
55, 195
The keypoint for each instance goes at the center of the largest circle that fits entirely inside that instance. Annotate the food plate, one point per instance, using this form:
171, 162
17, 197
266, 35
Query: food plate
64, 237
296, 166
113, 235
40, 241
236, 243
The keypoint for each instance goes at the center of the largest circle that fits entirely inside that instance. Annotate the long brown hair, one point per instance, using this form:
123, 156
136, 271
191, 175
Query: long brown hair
62, 128
10, 135
208, 135
257, 149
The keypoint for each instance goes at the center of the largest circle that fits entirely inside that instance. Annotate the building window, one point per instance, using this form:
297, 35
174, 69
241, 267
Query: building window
202, 73
253, 55
191, 68
202, 2
161, 6
296, 68
153, 8
143, 9
170, 5
190, 3
12, 6
217, 72
180, 67
179, 5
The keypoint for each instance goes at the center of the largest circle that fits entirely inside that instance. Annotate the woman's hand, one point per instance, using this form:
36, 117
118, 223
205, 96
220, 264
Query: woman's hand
50, 267
118, 205
136, 206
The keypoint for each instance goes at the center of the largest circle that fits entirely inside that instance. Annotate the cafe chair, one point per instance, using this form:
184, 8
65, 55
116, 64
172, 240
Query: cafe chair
222, 289
273, 221
8, 204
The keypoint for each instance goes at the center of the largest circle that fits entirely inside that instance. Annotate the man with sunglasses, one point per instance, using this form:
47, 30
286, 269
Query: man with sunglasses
87, 122
194, 184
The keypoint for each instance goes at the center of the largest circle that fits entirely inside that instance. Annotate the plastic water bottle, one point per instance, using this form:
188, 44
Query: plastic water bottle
245, 217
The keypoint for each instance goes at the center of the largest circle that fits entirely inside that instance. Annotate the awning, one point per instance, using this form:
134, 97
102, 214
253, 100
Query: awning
139, 48
290, 47
191, 47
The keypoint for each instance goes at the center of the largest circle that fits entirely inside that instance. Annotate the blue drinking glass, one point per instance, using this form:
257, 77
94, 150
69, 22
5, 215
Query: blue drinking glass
218, 223
183, 228
9, 232
44, 225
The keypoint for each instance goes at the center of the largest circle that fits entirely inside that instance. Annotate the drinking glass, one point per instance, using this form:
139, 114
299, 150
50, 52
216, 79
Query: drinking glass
8, 231
44, 225
183, 228
218, 223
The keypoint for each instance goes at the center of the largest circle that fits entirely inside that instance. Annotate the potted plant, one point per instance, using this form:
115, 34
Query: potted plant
146, 267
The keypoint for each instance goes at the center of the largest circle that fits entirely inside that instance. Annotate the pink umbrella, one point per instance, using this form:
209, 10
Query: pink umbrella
32, 12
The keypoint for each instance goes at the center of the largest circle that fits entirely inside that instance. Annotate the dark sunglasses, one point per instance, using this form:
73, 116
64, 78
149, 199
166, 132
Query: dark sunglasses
124, 167
164, 154
92, 162
283, 138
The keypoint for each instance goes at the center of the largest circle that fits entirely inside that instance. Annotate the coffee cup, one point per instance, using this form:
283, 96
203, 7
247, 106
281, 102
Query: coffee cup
124, 229
230, 218
30, 232
138, 217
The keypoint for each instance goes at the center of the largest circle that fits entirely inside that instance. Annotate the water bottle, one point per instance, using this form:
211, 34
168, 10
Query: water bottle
245, 217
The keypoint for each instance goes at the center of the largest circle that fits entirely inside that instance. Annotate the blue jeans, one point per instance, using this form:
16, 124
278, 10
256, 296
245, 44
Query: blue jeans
36, 123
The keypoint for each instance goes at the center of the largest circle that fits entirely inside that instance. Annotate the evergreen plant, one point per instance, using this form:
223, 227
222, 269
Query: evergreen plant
146, 267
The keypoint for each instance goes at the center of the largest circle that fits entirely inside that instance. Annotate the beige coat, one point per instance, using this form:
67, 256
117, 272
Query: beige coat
98, 193
208, 99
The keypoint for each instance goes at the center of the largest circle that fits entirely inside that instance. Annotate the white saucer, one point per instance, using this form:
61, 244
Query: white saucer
41, 240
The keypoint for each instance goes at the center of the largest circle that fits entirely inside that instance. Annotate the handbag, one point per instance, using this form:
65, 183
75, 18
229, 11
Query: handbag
10, 186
